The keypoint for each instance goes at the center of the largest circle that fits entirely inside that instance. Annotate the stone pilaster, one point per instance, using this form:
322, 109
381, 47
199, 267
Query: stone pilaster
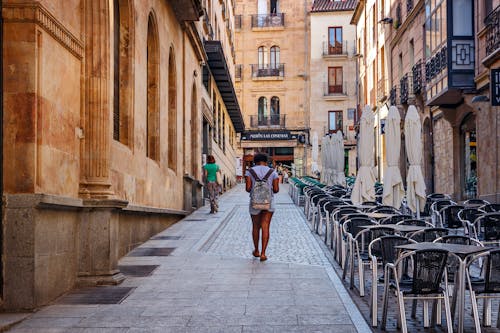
95, 160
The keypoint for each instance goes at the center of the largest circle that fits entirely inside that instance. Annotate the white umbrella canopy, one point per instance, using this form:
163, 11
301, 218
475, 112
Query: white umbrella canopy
415, 184
339, 157
315, 151
363, 189
324, 160
393, 183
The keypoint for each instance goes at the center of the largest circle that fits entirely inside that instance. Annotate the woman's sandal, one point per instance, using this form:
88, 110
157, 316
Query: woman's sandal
256, 253
263, 257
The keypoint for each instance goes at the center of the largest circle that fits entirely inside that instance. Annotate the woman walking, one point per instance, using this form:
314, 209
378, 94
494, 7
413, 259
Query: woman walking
210, 173
261, 177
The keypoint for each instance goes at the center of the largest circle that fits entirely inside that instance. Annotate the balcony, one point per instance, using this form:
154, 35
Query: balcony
268, 71
237, 22
268, 20
238, 72
404, 89
393, 96
417, 77
339, 49
187, 10
335, 91
382, 89
492, 24
207, 26
274, 121
409, 7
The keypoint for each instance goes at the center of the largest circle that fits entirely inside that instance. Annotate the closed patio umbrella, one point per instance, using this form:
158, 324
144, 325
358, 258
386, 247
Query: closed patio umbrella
315, 151
324, 162
415, 185
363, 189
393, 183
339, 158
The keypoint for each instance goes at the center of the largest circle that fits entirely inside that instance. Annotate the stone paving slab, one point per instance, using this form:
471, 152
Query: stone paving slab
211, 283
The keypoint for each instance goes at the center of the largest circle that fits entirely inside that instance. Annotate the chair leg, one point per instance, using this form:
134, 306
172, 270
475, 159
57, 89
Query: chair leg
402, 313
344, 273
385, 302
475, 312
373, 302
426, 313
487, 312
414, 309
449, 321
361, 274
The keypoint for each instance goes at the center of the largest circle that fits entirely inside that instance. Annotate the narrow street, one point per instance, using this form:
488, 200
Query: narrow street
199, 276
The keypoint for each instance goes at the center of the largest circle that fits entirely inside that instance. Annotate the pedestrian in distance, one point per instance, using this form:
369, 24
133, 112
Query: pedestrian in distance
210, 172
261, 182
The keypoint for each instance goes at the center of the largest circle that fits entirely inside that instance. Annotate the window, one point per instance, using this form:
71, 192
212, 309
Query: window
172, 112
462, 18
262, 111
153, 74
275, 57
412, 53
335, 121
275, 9
335, 80
335, 40
488, 7
275, 110
195, 154
262, 57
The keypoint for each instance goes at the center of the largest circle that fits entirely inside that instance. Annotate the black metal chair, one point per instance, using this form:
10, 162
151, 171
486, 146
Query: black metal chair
436, 207
468, 216
450, 220
326, 209
428, 269
476, 202
416, 222
370, 203
488, 289
430, 199
428, 234
313, 207
491, 208
384, 209
336, 229
487, 228
320, 214
395, 219
382, 250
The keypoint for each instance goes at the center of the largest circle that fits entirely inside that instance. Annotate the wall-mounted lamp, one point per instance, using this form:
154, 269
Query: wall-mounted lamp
386, 20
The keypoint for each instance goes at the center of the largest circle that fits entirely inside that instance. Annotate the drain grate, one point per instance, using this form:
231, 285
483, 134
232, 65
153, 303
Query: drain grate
137, 270
151, 252
166, 238
97, 295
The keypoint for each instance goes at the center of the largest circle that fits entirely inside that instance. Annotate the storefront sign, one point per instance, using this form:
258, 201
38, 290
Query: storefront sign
495, 87
268, 136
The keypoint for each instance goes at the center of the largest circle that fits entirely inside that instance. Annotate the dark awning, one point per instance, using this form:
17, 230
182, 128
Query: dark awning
218, 68
187, 10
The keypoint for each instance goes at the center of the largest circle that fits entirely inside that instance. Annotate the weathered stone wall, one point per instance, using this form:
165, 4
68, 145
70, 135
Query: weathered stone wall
443, 157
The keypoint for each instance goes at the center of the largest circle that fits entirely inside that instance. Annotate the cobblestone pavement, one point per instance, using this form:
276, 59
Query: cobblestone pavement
207, 281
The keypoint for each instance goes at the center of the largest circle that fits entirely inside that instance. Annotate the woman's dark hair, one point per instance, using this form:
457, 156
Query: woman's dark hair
210, 159
260, 157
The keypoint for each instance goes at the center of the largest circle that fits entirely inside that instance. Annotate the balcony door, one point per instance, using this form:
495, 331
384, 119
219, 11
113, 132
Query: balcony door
335, 40
275, 60
335, 80
275, 111
262, 112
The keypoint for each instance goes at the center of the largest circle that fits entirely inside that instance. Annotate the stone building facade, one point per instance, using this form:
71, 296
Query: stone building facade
332, 74
271, 79
104, 104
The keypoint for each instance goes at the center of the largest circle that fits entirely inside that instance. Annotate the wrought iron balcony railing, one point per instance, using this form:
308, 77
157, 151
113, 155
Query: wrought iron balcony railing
382, 89
436, 64
409, 7
237, 22
334, 89
275, 120
404, 89
345, 48
417, 78
207, 25
238, 72
393, 96
492, 23
269, 70
268, 20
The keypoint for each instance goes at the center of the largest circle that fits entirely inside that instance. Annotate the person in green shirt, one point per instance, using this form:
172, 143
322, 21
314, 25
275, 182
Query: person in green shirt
210, 173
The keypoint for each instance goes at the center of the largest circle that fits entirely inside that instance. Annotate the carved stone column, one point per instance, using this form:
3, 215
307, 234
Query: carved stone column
95, 179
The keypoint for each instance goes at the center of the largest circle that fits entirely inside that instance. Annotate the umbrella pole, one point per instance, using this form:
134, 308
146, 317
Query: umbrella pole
418, 208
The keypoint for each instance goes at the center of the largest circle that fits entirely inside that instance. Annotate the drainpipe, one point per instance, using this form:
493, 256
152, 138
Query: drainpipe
306, 91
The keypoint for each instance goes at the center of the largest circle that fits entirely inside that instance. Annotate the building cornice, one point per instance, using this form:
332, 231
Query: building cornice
406, 23
39, 15
357, 12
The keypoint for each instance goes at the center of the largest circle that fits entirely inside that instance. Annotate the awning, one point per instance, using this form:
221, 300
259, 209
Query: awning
219, 69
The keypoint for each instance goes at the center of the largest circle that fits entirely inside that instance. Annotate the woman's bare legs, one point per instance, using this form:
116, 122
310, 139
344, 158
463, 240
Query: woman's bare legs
256, 233
265, 222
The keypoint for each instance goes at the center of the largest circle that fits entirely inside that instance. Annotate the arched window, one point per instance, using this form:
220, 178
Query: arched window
153, 75
275, 57
122, 67
275, 111
262, 57
172, 112
262, 112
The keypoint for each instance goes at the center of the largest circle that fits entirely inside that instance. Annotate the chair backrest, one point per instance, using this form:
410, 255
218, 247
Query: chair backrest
388, 251
384, 209
489, 225
491, 208
428, 270
338, 193
415, 222
346, 217
476, 202
440, 204
344, 210
470, 214
353, 225
457, 239
431, 198
492, 273
375, 233
332, 204
315, 198
395, 219
370, 203
429, 234
450, 216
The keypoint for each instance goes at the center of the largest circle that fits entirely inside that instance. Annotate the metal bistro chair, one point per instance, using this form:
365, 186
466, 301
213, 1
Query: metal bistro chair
428, 234
468, 216
491, 208
395, 219
436, 207
488, 289
416, 222
431, 198
384, 209
428, 270
450, 220
328, 208
313, 209
487, 229
479, 202
382, 250
336, 215
325, 207
358, 239
309, 192
340, 240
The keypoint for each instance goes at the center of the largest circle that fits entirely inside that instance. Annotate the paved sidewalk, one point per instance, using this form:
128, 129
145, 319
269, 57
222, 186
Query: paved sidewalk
206, 280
